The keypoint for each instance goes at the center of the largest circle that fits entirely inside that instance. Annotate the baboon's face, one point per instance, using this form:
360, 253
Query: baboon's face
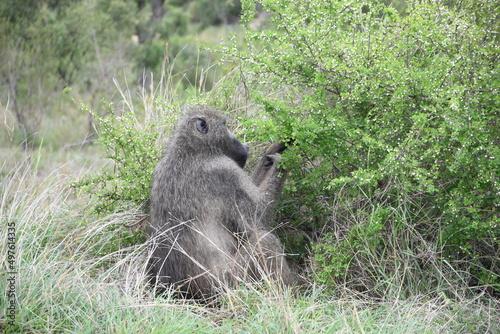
213, 135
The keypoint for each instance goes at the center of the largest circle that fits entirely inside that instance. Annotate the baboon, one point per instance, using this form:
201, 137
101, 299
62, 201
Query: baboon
209, 220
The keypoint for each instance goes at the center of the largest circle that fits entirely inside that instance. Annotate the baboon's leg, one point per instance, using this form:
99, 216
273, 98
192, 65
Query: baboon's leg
263, 257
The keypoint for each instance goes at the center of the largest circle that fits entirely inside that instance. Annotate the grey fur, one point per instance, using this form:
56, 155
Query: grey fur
209, 219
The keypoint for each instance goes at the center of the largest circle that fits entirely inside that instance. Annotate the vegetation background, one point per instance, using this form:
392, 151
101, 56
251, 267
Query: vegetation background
391, 109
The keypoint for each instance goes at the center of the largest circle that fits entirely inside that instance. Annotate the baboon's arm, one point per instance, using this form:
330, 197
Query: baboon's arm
250, 206
230, 196
270, 179
267, 163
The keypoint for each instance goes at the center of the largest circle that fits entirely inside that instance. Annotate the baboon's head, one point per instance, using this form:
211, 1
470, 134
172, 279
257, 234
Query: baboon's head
204, 132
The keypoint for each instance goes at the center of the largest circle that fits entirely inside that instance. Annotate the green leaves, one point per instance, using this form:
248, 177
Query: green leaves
401, 106
133, 149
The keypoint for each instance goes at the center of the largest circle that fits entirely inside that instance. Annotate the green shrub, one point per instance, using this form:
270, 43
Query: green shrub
397, 110
132, 145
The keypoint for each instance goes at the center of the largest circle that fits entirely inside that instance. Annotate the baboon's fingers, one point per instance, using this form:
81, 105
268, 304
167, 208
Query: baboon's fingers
270, 160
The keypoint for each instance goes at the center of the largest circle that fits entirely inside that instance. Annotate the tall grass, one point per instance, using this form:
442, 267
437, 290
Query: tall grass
69, 277
75, 273
389, 257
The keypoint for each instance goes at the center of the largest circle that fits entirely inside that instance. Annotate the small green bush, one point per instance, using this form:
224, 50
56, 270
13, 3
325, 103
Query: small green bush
397, 110
132, 145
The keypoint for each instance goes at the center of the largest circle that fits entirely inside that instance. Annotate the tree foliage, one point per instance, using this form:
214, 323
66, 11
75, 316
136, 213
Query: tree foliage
85, 45
50, 45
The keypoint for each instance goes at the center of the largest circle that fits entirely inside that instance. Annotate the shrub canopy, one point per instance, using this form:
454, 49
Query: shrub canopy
400, 108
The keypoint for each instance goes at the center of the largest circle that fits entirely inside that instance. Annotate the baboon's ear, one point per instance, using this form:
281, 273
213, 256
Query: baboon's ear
202, 125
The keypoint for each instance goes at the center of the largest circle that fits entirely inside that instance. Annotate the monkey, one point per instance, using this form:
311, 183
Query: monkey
209, 225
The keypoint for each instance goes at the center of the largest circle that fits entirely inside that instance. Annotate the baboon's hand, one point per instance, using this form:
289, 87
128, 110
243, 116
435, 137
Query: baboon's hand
271, 160
267, 169
276, 148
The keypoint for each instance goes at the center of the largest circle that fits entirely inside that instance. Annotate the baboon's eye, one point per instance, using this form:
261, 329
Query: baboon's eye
201, 125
